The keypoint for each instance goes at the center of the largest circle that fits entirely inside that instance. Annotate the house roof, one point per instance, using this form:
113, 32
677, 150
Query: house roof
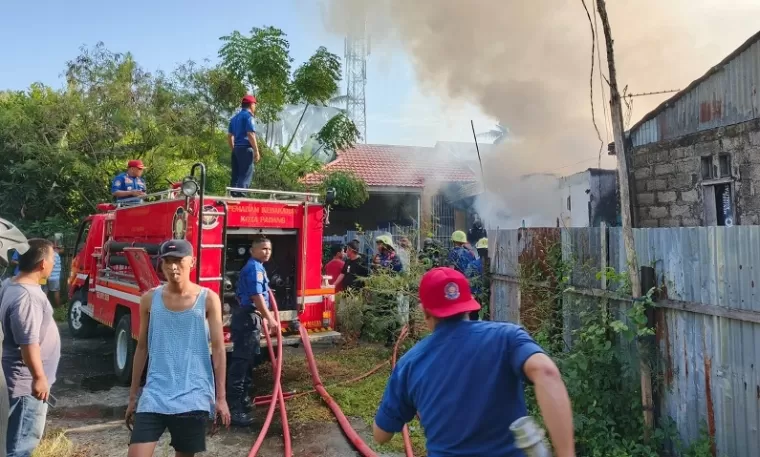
394, 166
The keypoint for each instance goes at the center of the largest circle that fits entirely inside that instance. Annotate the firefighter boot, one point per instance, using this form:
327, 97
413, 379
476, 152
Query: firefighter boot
236, 391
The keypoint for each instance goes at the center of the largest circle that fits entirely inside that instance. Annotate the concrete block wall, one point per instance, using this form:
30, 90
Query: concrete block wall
667, 178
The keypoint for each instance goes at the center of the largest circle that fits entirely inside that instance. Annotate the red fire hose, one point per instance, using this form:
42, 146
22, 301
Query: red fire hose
277, 390
280, 397
351, 434
404, 431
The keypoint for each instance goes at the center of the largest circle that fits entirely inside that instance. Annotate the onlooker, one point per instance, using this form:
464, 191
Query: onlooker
404, 252
241, 137
335, 266
354, 268
182, 389
54, 281
10, 238
14, 262
31, 348
466, 380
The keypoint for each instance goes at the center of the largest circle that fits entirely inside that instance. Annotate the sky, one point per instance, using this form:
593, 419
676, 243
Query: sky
163, 33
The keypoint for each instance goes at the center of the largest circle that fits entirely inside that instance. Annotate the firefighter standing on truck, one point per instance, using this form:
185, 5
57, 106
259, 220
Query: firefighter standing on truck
242, 141
245, 329
129, 186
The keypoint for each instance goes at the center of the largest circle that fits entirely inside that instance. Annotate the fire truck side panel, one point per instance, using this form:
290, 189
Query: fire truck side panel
84, 265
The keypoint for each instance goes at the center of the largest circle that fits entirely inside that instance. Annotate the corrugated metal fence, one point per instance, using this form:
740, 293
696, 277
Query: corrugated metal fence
708, 327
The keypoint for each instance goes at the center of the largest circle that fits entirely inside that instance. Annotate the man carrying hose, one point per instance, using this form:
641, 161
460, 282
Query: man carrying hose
245, 328
466, 380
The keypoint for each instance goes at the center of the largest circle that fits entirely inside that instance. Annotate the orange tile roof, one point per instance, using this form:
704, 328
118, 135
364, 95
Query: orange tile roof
394, 166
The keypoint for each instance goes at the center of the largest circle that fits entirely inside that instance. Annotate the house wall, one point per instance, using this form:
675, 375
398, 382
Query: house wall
668, 182
588, 198
379, 210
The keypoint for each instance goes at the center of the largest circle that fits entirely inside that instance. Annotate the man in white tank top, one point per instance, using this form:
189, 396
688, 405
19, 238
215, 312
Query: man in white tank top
182, 389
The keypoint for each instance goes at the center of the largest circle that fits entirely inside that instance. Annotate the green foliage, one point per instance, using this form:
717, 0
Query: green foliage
337, 134
62, 147
351, 191
317, 79
262, 61
602, 382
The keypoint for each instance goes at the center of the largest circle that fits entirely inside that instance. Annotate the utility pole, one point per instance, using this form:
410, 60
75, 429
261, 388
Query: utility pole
625, 207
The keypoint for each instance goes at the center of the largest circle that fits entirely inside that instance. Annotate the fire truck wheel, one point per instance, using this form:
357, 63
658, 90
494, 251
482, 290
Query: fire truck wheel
80, 324
124, 350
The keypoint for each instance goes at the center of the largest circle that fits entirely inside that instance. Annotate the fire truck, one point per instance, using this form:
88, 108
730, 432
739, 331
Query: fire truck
106, 280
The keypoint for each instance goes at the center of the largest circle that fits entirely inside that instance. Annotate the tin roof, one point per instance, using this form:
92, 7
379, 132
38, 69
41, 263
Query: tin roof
727, 94
394, 166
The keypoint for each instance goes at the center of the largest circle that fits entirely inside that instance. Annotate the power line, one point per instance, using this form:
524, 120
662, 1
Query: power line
591, 79
644, 94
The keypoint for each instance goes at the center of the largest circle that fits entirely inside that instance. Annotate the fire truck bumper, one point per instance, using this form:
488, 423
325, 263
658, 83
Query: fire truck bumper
326, 337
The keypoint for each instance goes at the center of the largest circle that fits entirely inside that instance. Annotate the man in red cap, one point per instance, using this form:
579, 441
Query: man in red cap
129, 186
242, 140
466, 379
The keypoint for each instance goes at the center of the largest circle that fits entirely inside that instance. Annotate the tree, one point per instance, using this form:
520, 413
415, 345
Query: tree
62, 147
497, 134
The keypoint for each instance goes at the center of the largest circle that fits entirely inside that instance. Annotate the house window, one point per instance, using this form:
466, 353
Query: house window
724, 165
707, 167
719, 204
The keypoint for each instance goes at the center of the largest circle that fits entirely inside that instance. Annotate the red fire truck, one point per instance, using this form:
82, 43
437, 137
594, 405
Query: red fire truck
105, 284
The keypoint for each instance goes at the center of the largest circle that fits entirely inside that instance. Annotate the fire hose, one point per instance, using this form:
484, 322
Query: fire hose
279, 397
277, 389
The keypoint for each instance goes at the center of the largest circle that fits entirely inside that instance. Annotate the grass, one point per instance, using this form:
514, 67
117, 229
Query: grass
359, 399
56, 444
60, 313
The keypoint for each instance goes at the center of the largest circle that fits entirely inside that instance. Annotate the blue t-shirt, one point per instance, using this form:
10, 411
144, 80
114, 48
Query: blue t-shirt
462, 258
125, 182
253, 280
15, 259
55, 275
240, 125
391, 260
466, 380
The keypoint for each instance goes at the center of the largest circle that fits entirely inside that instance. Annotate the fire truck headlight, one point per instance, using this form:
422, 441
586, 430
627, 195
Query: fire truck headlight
189, 187
330, 196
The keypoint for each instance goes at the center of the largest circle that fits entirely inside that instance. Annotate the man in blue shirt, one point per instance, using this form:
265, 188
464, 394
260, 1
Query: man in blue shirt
242, 141
466, 380
129, 186
460, 257
253, 295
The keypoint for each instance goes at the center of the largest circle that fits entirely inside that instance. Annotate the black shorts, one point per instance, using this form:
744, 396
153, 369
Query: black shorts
188, 430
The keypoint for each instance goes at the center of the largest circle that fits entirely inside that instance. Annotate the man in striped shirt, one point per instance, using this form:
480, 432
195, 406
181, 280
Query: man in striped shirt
54, 281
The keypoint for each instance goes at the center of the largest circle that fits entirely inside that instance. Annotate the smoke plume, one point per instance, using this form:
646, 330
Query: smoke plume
527, 64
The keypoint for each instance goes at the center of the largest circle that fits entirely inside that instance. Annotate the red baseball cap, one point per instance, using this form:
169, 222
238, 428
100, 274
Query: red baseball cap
249, 99
445, 292
135, 164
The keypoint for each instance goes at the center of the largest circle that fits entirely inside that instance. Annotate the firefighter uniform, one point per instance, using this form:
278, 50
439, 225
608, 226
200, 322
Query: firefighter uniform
128, 181
460, 258
245, 329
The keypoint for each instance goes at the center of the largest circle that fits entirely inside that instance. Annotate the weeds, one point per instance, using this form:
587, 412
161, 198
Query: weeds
57, 444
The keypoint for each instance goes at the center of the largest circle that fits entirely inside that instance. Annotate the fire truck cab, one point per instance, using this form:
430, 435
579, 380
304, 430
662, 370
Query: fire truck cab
105, 285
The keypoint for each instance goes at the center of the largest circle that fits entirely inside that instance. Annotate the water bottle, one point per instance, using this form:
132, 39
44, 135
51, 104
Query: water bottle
530, 437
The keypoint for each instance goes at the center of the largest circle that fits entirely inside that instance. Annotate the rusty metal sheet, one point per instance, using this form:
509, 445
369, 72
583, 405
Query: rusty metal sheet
727, 95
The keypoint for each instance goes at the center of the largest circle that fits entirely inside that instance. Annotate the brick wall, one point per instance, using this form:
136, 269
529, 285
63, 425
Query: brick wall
667, 177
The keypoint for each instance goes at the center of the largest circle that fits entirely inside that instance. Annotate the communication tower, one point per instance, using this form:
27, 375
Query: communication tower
357, 51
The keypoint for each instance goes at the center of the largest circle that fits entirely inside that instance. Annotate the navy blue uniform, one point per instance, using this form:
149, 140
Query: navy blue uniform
124, 182
242, 152
245, 329
466, 403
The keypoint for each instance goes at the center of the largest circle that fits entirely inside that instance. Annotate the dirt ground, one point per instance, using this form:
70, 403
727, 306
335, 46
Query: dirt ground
91, 409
